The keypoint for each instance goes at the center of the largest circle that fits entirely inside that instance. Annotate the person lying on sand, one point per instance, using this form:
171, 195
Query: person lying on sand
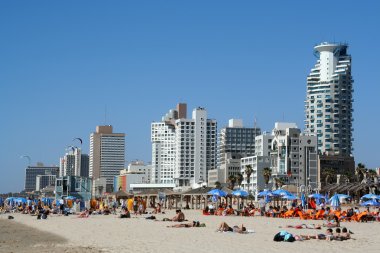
308, 226
224, 227
188, 225
84, 214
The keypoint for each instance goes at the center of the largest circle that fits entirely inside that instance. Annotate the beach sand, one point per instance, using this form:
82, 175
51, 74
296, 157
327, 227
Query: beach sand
100, 233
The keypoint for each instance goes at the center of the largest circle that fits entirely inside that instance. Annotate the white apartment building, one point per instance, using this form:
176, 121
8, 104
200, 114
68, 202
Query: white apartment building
328, 103
183, 150
256, 182
74, 163
196, 148
107, 154
141, 167
294, 156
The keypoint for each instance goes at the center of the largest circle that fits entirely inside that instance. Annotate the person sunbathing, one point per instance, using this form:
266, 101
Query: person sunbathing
332, 221
84, 214
224, 227
308, 226
188, 225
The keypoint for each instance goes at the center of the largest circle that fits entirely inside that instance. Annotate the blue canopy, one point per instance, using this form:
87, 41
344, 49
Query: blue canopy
289, 197
218, 192
303, 200
20, 200
370, 196
71, 198
240, 193
282, 192
335, 201
370, 203
316, 196
343, 196
266, 193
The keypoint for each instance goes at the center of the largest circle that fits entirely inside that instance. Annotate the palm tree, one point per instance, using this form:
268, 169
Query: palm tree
360, 171
218, 185
267, 173
328, 174
232, 181
239, 179
248, 172
279, 181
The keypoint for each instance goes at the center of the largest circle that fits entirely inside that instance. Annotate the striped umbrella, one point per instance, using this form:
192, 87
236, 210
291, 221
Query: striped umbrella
335, 201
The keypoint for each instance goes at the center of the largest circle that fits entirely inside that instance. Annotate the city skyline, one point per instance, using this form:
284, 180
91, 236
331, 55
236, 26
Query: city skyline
67, 68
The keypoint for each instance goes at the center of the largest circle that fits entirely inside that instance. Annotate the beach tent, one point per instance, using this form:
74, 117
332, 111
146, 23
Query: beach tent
240, 193
217, 192
370, 203
370, 196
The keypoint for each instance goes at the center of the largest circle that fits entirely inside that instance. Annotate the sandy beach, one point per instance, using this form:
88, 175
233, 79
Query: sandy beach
100, 233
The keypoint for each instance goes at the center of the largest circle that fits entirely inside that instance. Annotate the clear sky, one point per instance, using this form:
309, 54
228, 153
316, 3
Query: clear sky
63, 62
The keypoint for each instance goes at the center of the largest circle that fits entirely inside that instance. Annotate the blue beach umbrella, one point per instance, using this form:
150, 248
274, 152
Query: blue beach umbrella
20, 200
266, 193
316, 196
370, 196
303, 200
70, 198
370, 203
289, 197
335, 201
217, 192
282, 192
240, 193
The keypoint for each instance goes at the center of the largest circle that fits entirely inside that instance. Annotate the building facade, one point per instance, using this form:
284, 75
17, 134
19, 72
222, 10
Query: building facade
31, 173
107, 154
43, 181
256, 180
74, 163
328, 104
183, 150
294, 156
236, 141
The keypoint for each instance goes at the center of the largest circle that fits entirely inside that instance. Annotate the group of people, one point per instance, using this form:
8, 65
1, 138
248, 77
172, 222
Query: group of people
340, 234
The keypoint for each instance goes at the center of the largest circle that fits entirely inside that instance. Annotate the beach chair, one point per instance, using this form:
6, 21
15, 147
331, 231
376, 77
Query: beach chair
289, 214
320, 214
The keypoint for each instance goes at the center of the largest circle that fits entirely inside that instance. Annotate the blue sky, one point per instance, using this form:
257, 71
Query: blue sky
63, 62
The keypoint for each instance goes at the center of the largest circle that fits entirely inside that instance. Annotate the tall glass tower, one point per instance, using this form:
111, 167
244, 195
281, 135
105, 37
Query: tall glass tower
328, 104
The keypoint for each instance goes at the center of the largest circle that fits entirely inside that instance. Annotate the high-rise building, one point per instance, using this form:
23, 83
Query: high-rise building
183, 150
329, 100
294, 156
31, 173
107, 154
74, 163
234, 143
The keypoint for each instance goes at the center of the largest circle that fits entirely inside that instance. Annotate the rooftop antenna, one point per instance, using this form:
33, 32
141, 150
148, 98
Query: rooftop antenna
105, 115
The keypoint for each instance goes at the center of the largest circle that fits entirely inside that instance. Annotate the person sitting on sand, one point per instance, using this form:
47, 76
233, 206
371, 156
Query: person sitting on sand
332, 221
224, 227
180, 216
125, 214
188, 225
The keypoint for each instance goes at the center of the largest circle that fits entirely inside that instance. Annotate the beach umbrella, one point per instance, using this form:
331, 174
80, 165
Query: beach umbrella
70, 198
217, 192
335, 201
289, 197
266, 193
20, 200
282, 192
316, 196
370, 196
240, 193
343, 196
303, 200
370, 203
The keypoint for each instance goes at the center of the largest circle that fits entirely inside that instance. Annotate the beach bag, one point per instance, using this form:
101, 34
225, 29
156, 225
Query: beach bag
289, 238
278, 237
